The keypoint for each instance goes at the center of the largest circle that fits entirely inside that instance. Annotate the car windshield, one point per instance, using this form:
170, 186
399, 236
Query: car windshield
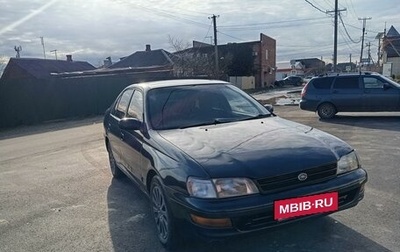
197, 105
391, 81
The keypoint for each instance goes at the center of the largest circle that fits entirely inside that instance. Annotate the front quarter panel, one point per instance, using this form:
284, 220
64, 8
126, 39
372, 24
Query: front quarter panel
171, 164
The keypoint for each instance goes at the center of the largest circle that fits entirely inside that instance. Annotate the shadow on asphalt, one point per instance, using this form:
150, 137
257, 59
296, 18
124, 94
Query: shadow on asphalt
391, 123
132, 229
45, 127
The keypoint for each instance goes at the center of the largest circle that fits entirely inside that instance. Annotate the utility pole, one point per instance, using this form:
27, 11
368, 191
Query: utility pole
55, 52
44, 51
350, 58
362, 39
215, 45
335, 36
369, 55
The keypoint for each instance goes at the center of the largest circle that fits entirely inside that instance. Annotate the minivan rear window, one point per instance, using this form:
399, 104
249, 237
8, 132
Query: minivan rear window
346, 83
322, 83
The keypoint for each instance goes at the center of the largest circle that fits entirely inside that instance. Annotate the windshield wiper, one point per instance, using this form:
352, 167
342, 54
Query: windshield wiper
215, 121
259, 116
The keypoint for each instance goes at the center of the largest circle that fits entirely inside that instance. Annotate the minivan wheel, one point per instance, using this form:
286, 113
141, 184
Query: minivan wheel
115, 171
162, 214
326, 111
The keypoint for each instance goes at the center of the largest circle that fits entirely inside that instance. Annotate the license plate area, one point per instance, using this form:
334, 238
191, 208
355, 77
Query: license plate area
307, 205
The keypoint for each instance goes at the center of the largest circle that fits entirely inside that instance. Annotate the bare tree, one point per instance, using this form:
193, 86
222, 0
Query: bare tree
189, 61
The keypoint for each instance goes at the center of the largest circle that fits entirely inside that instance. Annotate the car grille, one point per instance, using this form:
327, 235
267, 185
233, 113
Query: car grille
288, 181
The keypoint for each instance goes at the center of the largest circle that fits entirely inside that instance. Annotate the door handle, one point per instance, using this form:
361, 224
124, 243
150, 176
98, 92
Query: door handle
122, 136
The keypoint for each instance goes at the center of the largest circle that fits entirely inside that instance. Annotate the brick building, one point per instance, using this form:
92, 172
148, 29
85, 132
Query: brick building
254, 58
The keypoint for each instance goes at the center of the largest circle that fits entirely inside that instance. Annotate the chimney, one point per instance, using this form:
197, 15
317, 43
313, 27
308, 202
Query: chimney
148, 48
69, 57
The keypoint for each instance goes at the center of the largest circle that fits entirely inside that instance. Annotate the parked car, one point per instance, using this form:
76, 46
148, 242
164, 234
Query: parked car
365, 92
290, 80
211, 158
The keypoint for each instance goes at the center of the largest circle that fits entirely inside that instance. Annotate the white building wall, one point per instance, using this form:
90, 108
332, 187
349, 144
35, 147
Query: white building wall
395, 65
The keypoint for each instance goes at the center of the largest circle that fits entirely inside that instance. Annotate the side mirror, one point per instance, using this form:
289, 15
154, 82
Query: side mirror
270, 108
386, 86
130, 124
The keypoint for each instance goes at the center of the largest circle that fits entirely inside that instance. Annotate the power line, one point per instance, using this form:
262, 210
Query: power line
345, 29
231, 36
269, 23
315, 6
166, 14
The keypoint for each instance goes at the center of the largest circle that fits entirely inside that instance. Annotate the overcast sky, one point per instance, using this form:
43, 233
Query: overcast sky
92, 30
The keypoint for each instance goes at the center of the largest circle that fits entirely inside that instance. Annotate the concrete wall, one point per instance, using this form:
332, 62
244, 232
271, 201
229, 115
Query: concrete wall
243, 82
395, 65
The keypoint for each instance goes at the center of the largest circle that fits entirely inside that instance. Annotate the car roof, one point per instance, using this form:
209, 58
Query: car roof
176, 82
350, 74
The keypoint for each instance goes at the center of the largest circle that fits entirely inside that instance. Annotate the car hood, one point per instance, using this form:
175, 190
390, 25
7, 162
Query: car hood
257, 148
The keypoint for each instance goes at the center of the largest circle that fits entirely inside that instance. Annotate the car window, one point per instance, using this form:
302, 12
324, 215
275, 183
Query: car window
372, 82
135, 109
238, 104
178, 107
346, 83
322, 83
122, 105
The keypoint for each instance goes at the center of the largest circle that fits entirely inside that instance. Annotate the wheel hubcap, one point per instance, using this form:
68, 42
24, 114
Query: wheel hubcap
160, 212
112, 163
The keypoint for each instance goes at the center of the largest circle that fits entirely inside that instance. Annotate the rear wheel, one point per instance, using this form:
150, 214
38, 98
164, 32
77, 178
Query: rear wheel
162, 214
326, 111
115, 171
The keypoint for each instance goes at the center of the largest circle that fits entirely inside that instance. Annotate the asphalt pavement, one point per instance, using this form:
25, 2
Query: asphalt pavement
57, 193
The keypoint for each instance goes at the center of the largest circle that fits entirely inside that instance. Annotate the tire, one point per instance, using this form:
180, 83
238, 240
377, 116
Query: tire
162, 215
326, 111
115, 171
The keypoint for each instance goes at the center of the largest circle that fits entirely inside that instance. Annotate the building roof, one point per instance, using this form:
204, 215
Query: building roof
310, 63
158, 57
392, 43
43, 68
392, 32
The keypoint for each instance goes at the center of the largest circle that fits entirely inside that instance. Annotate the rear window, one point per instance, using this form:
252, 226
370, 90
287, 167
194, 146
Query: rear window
322, 83
346, 83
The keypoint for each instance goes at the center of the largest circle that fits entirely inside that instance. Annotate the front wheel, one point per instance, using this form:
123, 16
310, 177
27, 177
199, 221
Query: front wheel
326, 111
115, 171
162, 214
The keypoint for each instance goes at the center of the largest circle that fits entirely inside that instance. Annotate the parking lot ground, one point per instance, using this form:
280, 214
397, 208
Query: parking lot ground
57, 194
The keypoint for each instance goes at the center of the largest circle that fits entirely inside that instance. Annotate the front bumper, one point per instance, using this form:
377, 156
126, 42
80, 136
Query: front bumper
256, 212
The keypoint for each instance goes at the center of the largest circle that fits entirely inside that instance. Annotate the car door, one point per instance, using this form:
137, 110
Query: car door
132, 140
347, 93
380, 95
113, 131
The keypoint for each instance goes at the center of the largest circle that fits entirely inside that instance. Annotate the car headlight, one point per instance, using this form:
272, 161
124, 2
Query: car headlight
221, 187
348, 163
